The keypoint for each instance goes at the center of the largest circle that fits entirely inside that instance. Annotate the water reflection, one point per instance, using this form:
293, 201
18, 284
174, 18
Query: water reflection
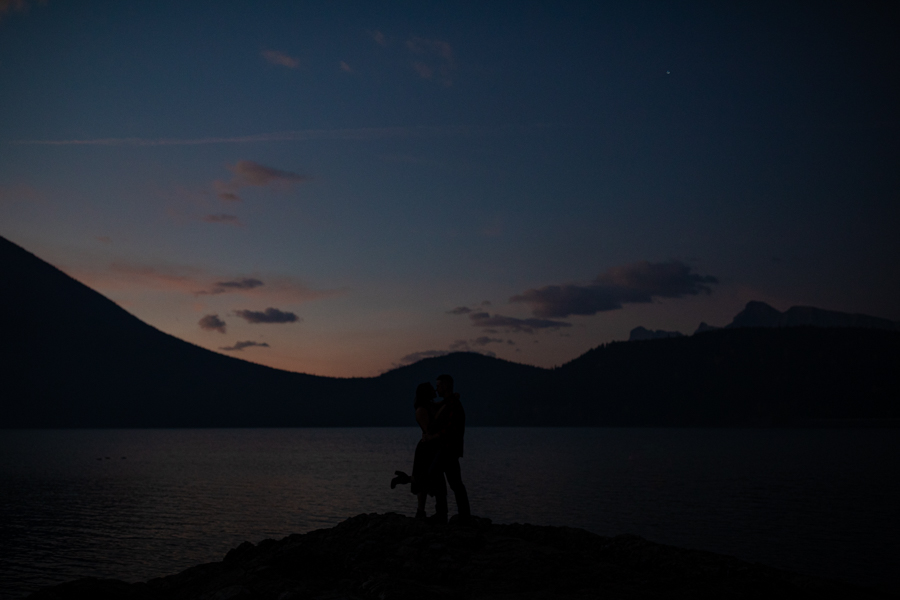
819, 501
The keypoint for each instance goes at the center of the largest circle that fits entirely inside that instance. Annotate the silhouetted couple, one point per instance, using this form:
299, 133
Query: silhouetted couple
438, 452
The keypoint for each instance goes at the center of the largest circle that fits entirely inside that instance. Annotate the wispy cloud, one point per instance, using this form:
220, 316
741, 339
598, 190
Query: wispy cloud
223, 219
359, 134
345, 67
247, 172
236, 285
425, 71
252, 174
135, 277
292, 290
486, 320
166, 277
465, 310
212, 323
437, 59
378, 37
270, 315
639, 282
241, 345
280, 58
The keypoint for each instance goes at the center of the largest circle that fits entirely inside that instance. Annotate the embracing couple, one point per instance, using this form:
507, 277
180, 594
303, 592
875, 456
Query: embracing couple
437, 455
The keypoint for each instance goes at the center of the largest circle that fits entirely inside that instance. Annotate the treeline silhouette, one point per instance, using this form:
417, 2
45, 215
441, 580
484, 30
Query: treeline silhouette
73, 358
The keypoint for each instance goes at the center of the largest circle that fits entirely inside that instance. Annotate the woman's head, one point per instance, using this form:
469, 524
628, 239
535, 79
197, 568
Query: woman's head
424, 393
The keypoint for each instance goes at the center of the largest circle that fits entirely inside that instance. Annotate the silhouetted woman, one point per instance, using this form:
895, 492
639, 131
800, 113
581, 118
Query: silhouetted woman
424, 485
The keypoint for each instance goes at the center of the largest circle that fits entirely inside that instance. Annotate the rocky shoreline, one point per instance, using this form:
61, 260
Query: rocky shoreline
389, 556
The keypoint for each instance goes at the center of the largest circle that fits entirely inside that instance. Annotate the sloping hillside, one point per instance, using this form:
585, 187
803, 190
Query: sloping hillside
753, 376
73, 358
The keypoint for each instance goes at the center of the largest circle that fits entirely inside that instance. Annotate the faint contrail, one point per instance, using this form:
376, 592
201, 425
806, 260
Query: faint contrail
367, 133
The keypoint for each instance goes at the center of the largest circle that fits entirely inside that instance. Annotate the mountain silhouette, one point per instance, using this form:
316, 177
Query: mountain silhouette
73, 358
639, 334
760, 314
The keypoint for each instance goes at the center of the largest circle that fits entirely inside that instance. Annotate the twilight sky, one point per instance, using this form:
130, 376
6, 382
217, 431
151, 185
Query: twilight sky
338, 188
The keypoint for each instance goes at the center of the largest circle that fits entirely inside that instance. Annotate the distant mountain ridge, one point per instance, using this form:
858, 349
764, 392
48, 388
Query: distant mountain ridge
73, 358
760, 314
639, 334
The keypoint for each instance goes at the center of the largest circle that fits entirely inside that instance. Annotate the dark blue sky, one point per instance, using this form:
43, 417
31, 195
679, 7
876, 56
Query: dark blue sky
375, 166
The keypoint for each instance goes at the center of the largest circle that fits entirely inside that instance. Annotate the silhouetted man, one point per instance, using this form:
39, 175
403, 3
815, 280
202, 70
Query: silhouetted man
452, 430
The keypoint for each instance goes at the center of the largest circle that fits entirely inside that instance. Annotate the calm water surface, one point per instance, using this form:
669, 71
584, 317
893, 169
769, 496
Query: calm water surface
817, 501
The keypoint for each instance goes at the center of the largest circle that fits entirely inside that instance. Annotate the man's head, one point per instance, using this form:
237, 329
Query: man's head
444, 385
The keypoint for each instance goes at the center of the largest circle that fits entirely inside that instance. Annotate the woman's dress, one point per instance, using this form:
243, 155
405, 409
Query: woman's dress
426, 451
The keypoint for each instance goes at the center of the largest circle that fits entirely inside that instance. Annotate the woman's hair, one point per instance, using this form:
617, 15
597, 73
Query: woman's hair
424, 393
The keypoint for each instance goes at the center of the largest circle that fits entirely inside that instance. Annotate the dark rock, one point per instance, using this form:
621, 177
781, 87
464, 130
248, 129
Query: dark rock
395, 557
756, 314
705, 327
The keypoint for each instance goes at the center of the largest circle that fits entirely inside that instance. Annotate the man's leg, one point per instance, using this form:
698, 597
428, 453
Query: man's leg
454, 479
440, 506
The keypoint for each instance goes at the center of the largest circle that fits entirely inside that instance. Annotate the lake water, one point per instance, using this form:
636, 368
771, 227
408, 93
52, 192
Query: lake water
136, 504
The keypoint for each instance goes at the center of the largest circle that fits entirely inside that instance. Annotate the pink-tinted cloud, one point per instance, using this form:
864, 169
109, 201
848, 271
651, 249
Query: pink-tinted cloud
247, 172
465, 310
242, 284
345, 67
241, 345
292, 290
168, 277
276, 289
378, 37
212, 323
280, 58
270, 315
252, 174
131, 277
